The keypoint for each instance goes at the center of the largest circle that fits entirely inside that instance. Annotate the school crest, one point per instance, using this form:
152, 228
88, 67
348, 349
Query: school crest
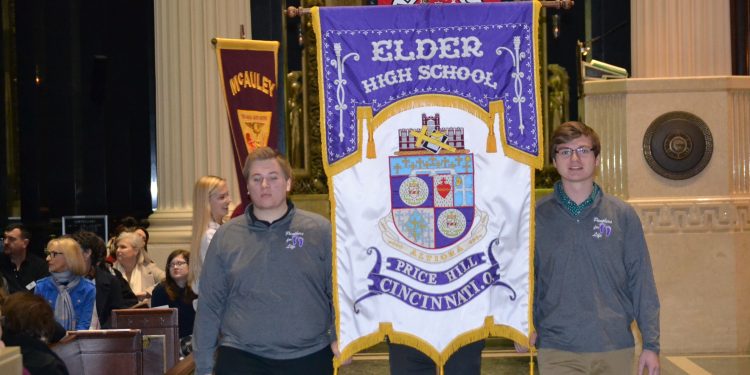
432, 185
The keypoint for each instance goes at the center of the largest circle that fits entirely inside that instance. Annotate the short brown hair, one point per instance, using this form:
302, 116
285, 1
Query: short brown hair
265, 153
29, 314
571, 130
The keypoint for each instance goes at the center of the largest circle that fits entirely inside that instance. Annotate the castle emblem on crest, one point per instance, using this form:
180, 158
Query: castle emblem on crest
432, 185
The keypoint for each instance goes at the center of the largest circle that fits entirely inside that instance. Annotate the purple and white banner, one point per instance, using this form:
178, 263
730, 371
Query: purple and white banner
431, 130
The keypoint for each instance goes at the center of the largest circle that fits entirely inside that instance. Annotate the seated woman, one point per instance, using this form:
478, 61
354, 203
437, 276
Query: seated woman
175, 292
142, 274
72, 297
29, 323
112, 291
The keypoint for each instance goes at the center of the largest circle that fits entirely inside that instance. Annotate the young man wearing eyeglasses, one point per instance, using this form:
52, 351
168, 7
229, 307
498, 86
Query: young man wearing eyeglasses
592, 269
19, 267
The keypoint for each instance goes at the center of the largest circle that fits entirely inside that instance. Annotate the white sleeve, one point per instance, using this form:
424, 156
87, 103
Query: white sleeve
207, 237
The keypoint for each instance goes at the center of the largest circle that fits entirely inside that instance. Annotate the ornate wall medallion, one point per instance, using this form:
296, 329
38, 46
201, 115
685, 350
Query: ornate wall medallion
677, 145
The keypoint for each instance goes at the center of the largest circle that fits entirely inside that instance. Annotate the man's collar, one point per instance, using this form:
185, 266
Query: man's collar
23, 260
254, 219
571, 206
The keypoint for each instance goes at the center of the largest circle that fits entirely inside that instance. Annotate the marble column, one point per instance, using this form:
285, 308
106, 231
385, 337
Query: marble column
680, 38
192, 129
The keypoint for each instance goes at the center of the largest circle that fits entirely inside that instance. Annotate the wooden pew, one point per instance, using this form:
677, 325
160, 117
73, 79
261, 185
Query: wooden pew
11, 362
161, 334
95, 352
184, 367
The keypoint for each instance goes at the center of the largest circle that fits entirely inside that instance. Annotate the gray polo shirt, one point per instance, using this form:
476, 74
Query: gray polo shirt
593, 278
266, 289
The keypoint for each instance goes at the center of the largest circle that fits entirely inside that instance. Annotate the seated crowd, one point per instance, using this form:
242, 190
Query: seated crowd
77, 288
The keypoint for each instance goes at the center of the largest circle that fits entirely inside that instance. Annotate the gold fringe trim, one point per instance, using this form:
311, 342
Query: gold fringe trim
532, 246
440, 358
532, 285
248, 44
430, 100
539, 161
334, 280
496, 109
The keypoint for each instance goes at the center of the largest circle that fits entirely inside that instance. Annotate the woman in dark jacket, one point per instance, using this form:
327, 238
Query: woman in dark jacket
29, 323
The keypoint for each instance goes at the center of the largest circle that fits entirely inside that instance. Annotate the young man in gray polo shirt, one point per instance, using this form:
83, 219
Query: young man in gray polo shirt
592, 269
265, 302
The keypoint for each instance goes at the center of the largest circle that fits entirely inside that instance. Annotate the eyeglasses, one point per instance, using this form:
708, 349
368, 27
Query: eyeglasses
177, 264
52, 254
582, 152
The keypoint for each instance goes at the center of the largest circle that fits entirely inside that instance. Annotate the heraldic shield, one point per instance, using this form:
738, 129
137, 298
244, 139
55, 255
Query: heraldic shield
432, 197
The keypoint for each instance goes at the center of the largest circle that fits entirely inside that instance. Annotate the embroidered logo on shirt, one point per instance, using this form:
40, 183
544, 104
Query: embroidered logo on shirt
294, 240
602, 228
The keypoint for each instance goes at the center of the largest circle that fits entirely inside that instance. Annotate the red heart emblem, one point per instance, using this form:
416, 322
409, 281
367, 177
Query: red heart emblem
443, 188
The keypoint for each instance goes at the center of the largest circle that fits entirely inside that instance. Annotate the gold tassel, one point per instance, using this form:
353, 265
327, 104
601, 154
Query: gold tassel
496, 111
441, 370
370, 144
491, 142
365, 114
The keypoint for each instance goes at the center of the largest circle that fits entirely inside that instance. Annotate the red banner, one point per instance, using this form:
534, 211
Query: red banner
248, 71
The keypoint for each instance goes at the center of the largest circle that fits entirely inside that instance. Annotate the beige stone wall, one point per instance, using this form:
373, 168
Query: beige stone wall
704, 298
698, 229
742, 283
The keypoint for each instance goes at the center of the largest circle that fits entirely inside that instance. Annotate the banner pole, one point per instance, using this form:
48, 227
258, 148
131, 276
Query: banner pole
292, 11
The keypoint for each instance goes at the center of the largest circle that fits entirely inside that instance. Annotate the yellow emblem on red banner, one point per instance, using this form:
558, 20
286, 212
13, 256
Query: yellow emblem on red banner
256, 126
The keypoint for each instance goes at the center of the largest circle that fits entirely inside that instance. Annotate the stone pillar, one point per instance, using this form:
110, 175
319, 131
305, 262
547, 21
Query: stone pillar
680, 38
191, 121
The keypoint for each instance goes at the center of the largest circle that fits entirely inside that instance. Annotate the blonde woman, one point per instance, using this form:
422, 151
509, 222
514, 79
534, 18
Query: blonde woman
71, 296
140, 272
210, 207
